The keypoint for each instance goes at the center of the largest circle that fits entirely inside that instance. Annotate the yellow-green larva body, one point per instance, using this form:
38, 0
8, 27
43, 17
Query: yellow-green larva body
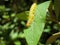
31, 14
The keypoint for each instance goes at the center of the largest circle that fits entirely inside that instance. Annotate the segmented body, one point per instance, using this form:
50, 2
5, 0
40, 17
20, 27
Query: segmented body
31, 14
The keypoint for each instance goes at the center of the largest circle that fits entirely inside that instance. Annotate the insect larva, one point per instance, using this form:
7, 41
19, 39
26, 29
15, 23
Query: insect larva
31, 14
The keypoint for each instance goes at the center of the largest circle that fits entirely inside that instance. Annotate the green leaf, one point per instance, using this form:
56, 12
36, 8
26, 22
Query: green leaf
11, 26
47, 30
6, 26
34, 32
5, 16
13, 35
23, 15
13, 15
57, 8
17, 43
2, 7
2, 42
21, 35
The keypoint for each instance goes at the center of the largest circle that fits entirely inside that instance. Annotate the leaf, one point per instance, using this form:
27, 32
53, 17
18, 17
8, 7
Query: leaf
23, 15
5, 16
2, 7
21, 35
17, 43
57, 8
13, 35
2, 42
53, 38
13, 15
6, 26
34, 32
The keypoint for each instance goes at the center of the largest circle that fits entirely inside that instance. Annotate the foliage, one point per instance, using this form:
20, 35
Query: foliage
43, 30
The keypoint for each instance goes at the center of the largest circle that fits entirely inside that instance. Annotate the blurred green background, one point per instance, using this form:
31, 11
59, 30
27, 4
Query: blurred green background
13, 18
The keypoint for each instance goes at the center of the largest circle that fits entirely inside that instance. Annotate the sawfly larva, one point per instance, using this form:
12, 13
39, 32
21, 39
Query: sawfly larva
31, 14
